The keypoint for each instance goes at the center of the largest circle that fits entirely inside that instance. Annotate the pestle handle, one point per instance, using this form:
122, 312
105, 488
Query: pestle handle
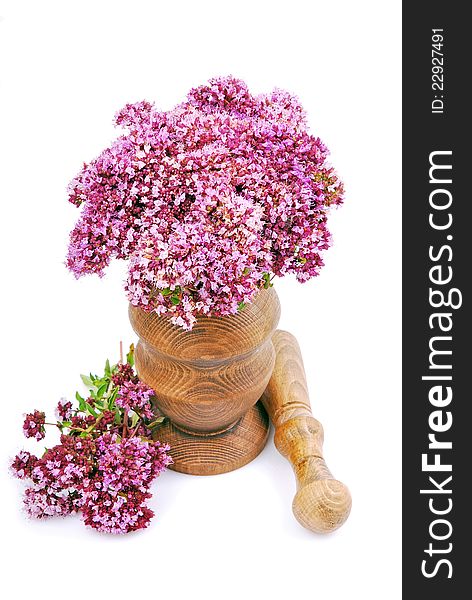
321, 503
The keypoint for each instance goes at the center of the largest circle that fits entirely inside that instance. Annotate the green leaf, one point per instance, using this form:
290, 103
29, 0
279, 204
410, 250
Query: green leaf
155, 423
107, 368
241, 306
166, 291
134, 419
91, 410
66, 423
130, 356
87, 381
81, 401
117, 419
175, 300
266, 280
102, 389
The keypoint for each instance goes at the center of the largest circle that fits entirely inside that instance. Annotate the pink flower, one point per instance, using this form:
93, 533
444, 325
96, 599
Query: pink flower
64, 410
106, 460
111, 512
136, 396
129, 462
206, 201
23, 464
117, 501
107, 480
33, 425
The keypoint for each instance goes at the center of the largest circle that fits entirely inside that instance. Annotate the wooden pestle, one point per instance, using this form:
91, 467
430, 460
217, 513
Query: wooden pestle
321, 503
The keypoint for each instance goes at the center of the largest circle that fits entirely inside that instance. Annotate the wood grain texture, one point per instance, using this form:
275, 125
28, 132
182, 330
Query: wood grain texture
322, 503
207, 379
220, 453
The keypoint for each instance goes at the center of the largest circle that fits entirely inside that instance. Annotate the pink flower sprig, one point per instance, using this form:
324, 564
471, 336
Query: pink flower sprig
33, 425
106, 460
206, 201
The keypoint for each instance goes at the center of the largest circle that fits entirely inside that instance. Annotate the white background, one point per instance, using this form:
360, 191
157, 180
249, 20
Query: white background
66, 68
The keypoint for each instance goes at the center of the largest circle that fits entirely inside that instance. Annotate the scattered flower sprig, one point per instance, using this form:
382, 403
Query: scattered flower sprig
106, 459
208, 201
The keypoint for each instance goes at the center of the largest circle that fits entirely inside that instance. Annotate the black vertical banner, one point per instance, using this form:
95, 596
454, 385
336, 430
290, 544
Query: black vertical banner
437, 264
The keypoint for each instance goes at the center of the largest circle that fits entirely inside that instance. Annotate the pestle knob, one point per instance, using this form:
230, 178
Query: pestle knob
321, 503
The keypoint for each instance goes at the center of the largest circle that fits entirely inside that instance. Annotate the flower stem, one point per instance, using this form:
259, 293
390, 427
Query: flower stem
136, 428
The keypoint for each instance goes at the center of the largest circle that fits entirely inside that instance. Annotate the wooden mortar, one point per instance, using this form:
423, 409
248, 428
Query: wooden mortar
208, 382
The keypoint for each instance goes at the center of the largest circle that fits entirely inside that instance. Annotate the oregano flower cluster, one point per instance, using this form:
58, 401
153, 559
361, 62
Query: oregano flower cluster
208, 201
106, 460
